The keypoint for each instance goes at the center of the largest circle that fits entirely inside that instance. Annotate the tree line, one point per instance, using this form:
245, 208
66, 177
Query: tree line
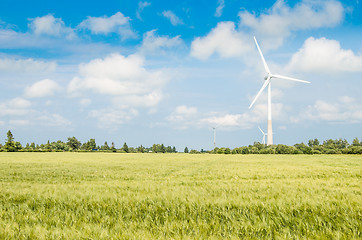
314, 146
74, 145
330, 146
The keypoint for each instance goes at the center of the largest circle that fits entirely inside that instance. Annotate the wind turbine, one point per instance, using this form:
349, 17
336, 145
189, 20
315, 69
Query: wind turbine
214, 128
264, 134
268, 79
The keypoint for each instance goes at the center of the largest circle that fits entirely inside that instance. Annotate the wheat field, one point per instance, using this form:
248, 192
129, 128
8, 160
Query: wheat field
179, 196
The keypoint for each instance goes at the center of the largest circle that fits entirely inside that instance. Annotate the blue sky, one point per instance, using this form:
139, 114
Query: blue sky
159, 71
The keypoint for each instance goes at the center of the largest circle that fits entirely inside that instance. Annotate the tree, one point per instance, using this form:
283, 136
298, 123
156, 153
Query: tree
105, 146
125, 147
186, 150
113, 147
162, 148
313, 143
74, 143
91, 144
10, 144
356, 142
141, 149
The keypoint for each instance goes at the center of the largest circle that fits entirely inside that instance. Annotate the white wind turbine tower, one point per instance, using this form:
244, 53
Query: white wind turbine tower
268, 78
214, 128
264, 134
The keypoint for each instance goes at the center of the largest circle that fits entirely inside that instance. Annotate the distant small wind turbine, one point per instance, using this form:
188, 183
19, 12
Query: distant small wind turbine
214, 128
268, 78
264, 134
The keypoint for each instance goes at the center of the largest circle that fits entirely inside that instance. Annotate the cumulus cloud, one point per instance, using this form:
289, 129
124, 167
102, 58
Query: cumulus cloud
43, 88
19, 122
26, 65
279, 21
324, 55
152, 42
117, 75
85, 102
15, 107
220, 7
128, 83
54, 120
113, 117
145, 100
141, 7
175, 20
49, 25
224, 40
118, 23
182, 113
189, 117
245, 120
21, 113
344, 110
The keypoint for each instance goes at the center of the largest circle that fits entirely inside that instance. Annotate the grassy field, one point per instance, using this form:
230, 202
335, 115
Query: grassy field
179, 196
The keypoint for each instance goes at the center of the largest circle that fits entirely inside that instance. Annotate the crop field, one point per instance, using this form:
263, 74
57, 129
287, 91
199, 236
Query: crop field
179, 196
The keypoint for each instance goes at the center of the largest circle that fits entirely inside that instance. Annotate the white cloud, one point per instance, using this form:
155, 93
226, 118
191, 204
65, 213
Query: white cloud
52, 120
19, 103
43, 88
281, 20
220, 7
49, 25
21, 109
122, 77
345, 110
15, 107
128, 83
118, 23
85, 102
324, 55
245, 120
19, 122
26, 65
189, 117
113, 117
182, 113
223, 40
146, 100
175, 20
152, 42
141, 7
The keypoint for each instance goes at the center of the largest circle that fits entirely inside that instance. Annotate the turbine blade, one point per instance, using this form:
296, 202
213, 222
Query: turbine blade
262, 88
289, 78
261, 130
262, 57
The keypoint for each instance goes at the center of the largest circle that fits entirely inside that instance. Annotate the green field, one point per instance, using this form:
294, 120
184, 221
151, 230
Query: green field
179, 196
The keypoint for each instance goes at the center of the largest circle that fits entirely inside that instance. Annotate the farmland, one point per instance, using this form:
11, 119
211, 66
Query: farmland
179, 196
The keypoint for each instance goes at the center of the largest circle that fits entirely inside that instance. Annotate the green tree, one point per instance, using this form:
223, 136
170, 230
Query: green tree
74, 143
105, 146
356, 142
32, 145
313, 142
141, 149
92, 144
155, 148
186, 150
113, 147
10, 144
125, 147
162, 148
